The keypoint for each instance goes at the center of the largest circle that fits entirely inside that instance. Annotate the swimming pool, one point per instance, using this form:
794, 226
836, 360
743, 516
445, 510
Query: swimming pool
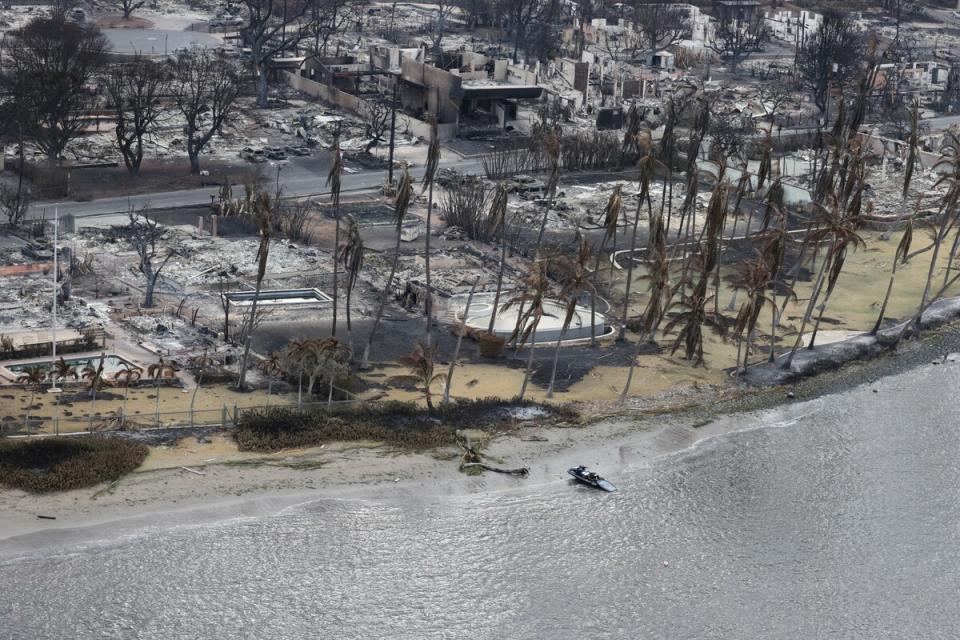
111, 364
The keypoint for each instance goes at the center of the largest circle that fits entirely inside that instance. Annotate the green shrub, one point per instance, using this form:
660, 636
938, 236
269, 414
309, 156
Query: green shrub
58, 464
401, 424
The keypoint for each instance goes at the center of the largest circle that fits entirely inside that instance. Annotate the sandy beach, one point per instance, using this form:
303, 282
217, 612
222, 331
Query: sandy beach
169, 489
223, 483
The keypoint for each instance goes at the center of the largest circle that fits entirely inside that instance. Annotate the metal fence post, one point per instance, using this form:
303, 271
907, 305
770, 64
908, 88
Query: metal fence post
56, 425
236, 416
223, 417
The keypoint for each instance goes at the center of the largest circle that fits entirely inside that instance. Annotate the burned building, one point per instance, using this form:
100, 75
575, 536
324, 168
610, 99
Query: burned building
465, 92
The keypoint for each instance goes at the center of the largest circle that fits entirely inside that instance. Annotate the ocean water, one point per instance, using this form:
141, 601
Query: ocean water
835, 518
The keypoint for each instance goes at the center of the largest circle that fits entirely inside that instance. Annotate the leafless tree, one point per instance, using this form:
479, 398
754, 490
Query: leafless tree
143, 233
63, 7
206, 86
906, 48
729, 133
50, 66
543, 34
273, 27
476, 12
661, 23
898, 7
736, 36
129, 6
520, 14
377, 122
774, 96
14, 203
438, 26
831, 55
136, 89
328, 17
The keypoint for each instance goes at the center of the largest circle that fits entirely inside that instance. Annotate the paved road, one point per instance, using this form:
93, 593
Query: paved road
294, 184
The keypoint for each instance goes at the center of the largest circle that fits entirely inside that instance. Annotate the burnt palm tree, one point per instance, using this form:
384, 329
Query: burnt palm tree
338, 356
695, 278
576, 282
743, 184
648, 166
840, 232
158, 371
765, 170
773, 252
531, 298
272, 367
199, 364
400, 206
350, 254
462, 331
94, 376
698, 132
551, 148
333, 181
332, 359
658, 275
712, 233
691, 314
63, 370
33, 376
95, 381
497, 221
127, 375
611, 219
912, 146
296, 353
755, 277
433, 161
421, 363
899, 257
949, 214
263, 209
845, 239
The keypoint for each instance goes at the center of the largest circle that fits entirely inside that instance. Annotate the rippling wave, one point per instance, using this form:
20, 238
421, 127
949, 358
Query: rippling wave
841, 524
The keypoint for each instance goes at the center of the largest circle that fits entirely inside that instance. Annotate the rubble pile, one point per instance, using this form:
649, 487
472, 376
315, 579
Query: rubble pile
168, 335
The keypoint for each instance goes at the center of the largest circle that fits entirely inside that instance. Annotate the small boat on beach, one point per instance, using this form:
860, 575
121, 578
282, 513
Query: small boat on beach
590, 478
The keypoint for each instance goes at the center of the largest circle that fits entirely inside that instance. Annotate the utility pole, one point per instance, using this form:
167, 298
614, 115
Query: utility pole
53, 323
393, 127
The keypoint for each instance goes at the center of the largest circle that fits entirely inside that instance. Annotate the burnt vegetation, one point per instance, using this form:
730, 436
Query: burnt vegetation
399, 424
61, 464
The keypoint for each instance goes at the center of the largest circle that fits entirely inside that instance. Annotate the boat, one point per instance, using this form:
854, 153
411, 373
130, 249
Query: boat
590, 478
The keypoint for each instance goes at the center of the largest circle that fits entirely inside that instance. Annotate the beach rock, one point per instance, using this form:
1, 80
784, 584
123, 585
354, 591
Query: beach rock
834, 355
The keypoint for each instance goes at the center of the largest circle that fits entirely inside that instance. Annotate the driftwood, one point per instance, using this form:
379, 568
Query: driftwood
471, 458
521, 471
199, 473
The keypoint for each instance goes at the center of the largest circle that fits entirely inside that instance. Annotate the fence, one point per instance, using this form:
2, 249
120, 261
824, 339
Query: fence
225, 417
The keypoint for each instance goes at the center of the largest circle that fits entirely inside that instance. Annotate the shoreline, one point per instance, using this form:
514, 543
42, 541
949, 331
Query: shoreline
172, 497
